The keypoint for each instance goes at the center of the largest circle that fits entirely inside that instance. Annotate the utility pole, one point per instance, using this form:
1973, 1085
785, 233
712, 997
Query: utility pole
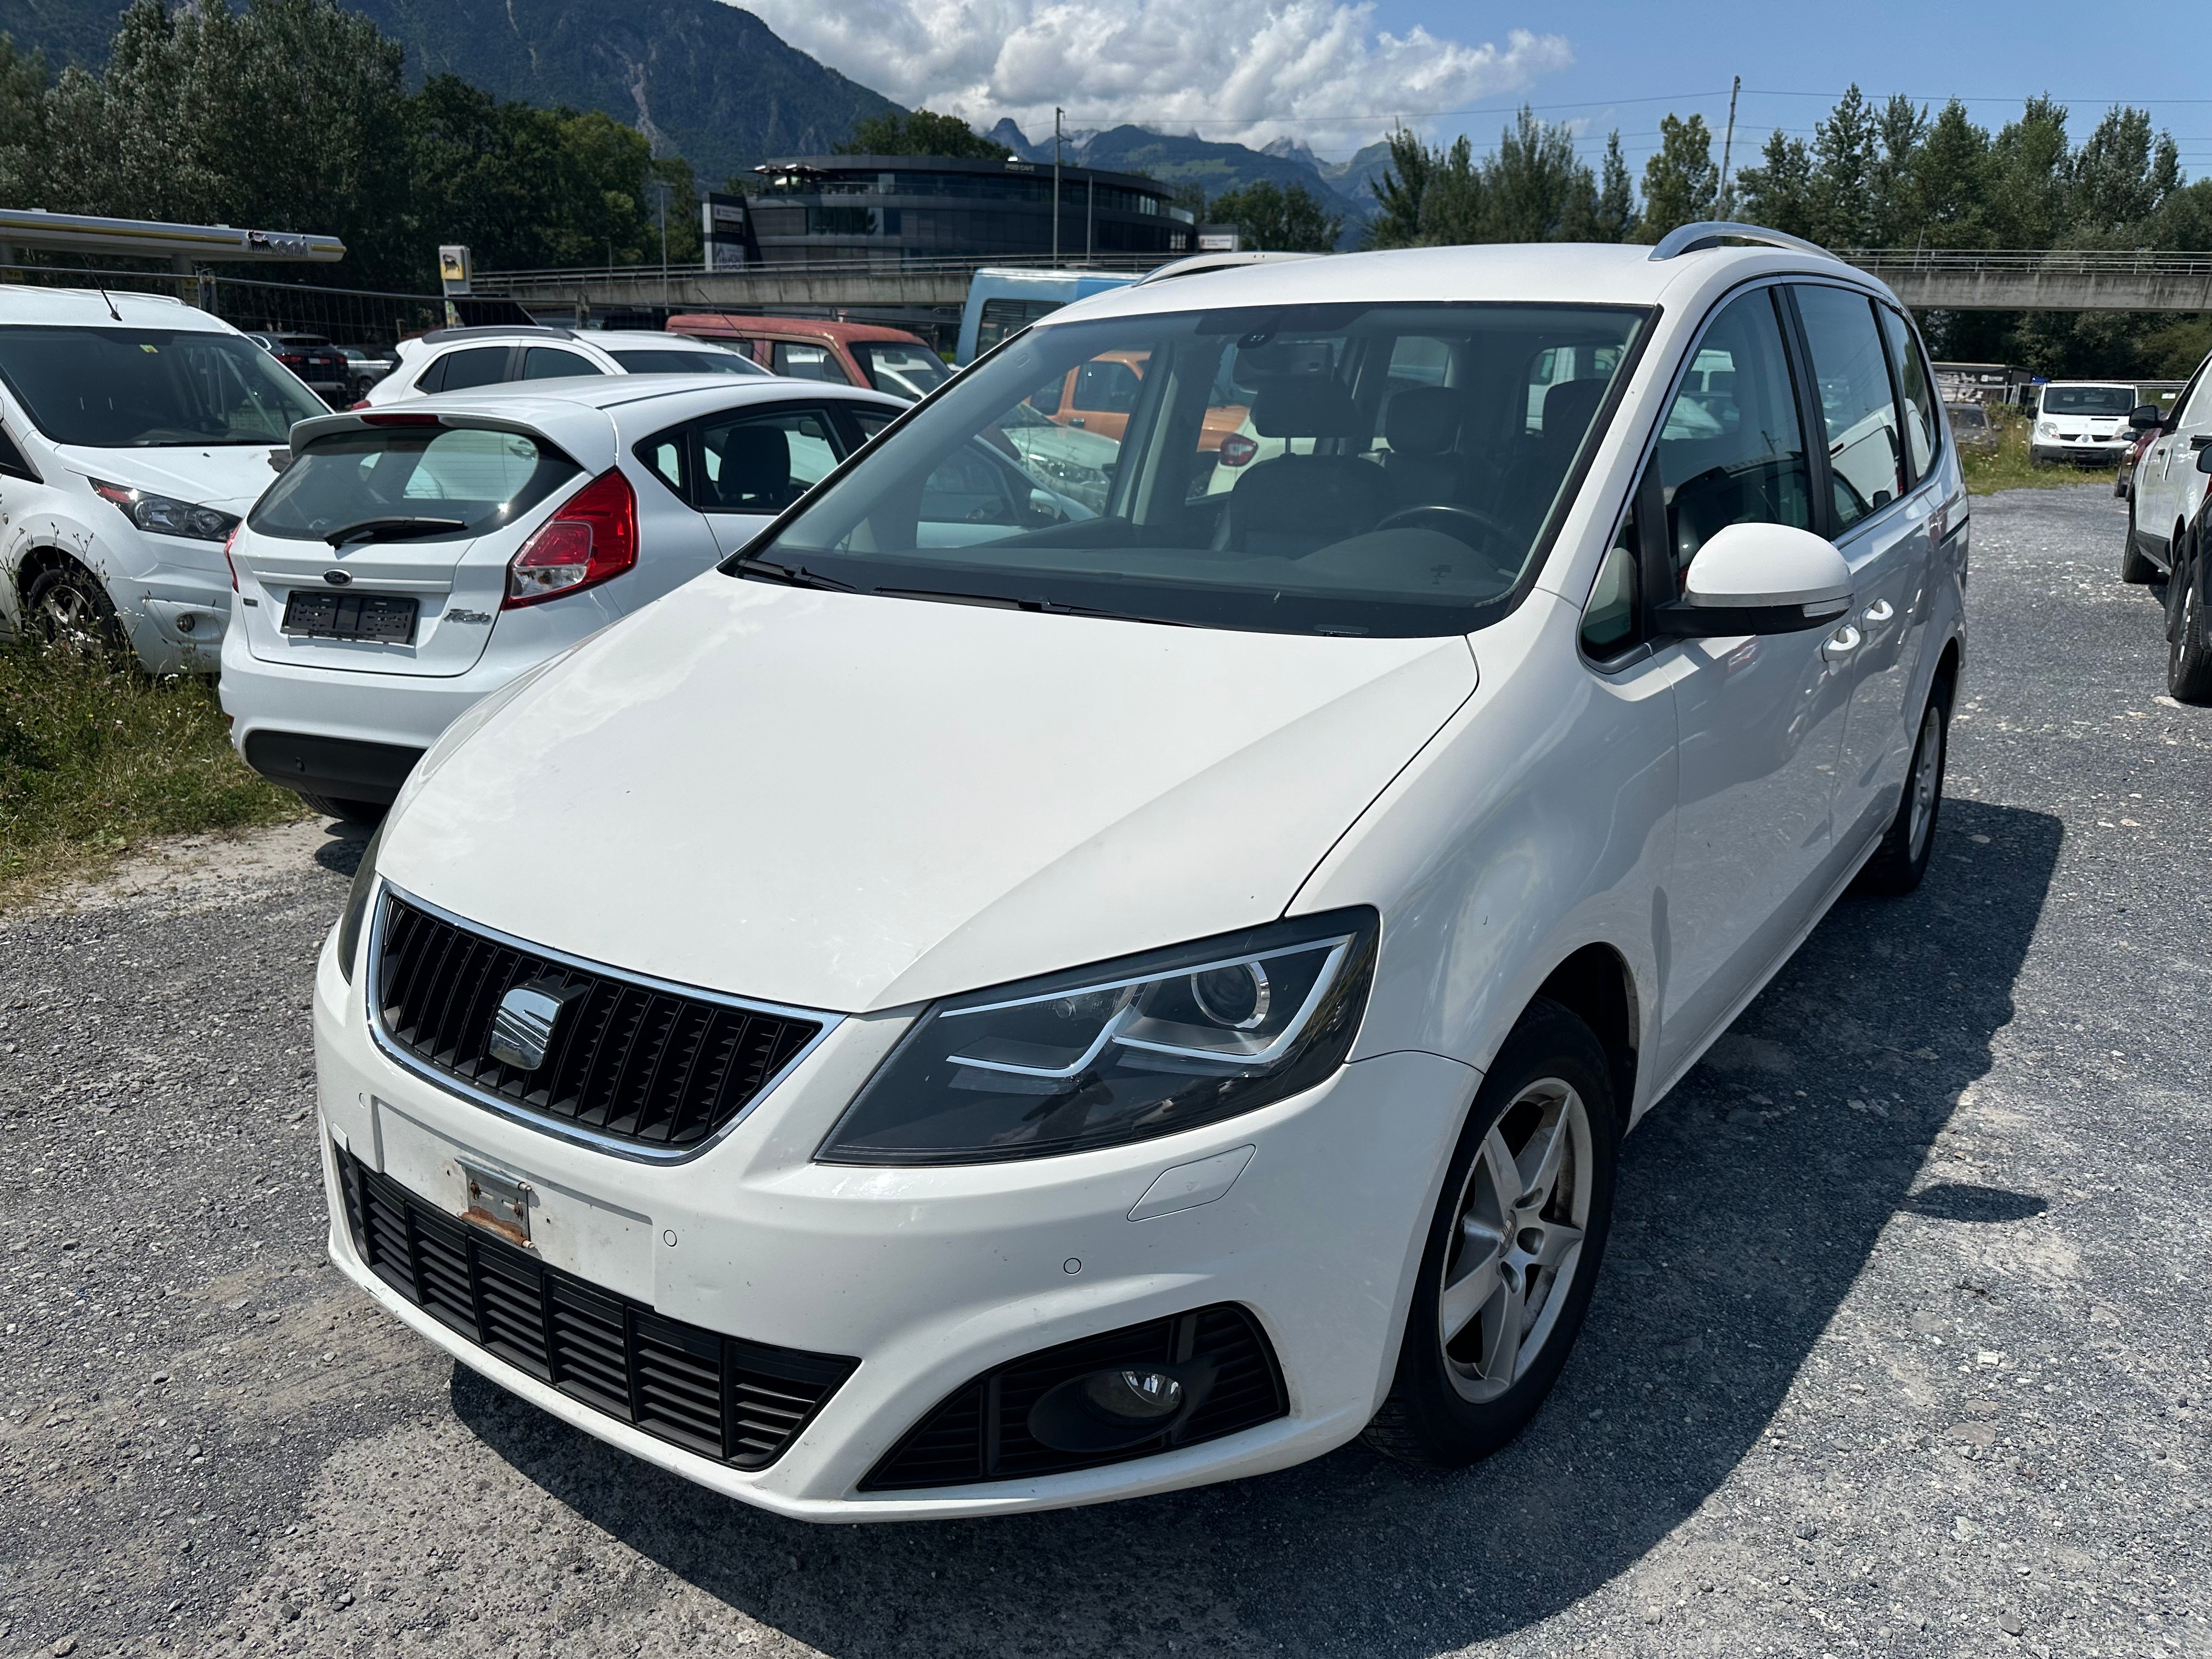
1721, 207
1055, 186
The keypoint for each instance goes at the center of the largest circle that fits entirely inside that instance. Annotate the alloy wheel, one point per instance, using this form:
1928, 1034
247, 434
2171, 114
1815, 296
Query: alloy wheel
1927, 779
71, 618
1522, 1217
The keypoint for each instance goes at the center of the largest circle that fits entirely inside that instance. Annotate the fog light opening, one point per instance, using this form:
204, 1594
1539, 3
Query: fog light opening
1119, 1407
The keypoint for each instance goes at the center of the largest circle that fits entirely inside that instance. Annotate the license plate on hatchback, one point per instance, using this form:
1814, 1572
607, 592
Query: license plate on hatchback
386, 618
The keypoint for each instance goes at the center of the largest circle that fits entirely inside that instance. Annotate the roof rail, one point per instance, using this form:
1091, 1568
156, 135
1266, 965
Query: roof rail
1197, 264
537, 330
1711, 233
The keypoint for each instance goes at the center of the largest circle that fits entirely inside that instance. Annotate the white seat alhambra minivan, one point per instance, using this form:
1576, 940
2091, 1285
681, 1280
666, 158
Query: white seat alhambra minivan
983, 1004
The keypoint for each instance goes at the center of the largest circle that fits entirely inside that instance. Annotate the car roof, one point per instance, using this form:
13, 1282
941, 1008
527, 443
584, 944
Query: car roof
91, 308
820, 326
1575, 273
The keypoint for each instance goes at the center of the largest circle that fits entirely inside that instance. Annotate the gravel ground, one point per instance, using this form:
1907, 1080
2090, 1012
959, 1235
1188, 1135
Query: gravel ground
1901, 1345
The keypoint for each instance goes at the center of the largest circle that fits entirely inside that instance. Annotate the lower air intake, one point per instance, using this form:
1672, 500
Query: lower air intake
980, 1432
721, 1396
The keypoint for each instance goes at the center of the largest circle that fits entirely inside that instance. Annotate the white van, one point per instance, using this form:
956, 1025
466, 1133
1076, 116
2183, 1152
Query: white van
135, 431
2083, 421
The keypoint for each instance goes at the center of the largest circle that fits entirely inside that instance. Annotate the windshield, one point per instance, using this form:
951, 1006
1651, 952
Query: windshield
2089, 399
685, 360
1343, 469
419, 482
121, 388
911, 372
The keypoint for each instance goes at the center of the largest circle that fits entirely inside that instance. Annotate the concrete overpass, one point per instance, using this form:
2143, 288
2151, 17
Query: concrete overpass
1946, 281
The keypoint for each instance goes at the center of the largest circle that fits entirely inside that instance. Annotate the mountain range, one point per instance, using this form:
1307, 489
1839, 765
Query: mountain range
713, 83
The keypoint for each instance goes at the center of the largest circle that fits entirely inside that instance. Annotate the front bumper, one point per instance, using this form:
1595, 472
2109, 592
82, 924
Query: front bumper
932, 1277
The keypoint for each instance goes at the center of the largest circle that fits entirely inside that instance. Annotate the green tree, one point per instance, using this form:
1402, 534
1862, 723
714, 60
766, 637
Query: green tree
1282, 218
1845, 155
2121, 176
1535, 188
23, 141
1948, 179
1616, 196
2025, 200
1902, 128
1680, 180
923, 132
1401, 190
1778, 193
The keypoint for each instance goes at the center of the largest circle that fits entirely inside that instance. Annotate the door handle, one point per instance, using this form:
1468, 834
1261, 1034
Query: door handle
1841, 643
1075, 420
1879, 611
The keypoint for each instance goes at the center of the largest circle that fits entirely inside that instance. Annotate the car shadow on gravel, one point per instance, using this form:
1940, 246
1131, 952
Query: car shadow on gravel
1750, 1200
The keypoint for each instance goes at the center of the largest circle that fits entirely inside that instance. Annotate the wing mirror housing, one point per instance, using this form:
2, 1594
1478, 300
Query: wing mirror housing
1758, 579
2145, 418
2204, 461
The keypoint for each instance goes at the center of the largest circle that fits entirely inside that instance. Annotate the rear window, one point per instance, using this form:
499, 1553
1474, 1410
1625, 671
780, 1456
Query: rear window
480, 479
679, 360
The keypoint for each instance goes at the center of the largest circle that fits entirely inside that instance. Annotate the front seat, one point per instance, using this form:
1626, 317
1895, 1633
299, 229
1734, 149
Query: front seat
750, 469
1286, 507
1422, 426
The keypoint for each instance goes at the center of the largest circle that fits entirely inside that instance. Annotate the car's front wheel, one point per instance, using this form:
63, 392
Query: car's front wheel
1513, 1248
353, 811
69, 607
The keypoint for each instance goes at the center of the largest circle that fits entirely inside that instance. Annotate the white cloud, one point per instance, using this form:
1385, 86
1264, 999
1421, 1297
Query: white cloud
1247, 71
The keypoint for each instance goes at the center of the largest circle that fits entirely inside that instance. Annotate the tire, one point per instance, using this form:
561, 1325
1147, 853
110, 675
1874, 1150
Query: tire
2189, 628
2135, 567
354, 811
1901, 860
68, 606
1458, 1398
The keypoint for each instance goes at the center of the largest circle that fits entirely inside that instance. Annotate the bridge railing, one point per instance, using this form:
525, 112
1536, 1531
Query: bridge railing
2088, 262
569, 277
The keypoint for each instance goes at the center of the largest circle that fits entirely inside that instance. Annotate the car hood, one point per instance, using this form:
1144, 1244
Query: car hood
855, 803
228, 476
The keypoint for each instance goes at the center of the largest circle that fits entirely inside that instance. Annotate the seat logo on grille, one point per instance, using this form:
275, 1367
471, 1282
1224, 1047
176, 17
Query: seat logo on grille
522, 1030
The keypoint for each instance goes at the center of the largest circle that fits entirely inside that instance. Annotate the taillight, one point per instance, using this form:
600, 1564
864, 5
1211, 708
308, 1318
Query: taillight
591, 539
1236, 449
226, 559
363, 404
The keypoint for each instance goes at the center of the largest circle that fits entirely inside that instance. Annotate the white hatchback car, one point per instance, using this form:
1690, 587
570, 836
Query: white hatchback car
411, 561
466, 359
133, 432
920, 1025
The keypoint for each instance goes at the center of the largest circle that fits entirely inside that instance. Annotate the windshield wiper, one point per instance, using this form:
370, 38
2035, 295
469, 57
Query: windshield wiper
391, 529
1046, 607
794, 575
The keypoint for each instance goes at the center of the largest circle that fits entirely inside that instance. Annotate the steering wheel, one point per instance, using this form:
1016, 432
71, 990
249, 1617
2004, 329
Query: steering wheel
1488, 525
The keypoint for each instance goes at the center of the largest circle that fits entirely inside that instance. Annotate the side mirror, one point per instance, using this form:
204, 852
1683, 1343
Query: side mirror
1758, 579
2144, 417
2204, 461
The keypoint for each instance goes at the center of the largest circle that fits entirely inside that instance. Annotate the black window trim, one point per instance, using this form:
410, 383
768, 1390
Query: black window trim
1913, 343
1824, 502
15, 460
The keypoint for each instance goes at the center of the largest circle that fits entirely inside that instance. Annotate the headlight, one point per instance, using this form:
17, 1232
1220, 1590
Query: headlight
357, 910
165, 515
1118, 1051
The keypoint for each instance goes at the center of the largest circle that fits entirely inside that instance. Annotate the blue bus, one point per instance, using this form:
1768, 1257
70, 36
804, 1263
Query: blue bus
1003, 302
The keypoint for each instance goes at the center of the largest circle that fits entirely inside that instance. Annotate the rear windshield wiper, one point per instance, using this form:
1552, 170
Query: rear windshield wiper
392, 529
795, 575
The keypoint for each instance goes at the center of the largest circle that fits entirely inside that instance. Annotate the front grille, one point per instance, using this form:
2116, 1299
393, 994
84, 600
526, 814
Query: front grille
720, 1396
628, 1062
980, 1432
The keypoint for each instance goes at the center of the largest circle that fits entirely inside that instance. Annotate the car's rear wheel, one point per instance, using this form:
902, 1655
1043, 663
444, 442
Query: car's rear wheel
2189, 629
1901, 860
2135, 567
1513, 1248
354, 811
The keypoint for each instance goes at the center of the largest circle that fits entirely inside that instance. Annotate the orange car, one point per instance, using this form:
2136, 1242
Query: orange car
815, 349
1098, 396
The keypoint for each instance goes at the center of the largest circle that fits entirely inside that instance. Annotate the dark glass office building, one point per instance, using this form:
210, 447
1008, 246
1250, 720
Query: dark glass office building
891, 211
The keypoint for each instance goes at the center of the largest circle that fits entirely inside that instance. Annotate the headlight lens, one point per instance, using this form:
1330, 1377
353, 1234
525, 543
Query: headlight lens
1118, 1051
165, 515
357, 910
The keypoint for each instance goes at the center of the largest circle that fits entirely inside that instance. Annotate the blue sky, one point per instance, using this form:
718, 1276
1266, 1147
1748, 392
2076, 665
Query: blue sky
1992, 54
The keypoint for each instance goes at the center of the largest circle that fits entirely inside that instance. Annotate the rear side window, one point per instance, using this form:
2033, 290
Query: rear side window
478, 479
1866, 458
904, 371
549, 363
475, 366
808, 363
682, 360
759, 460
1921, 423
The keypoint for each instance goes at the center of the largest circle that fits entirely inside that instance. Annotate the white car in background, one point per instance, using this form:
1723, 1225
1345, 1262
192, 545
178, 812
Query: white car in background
2083, 421
950, 1016
410, 561
134, 431
464, 359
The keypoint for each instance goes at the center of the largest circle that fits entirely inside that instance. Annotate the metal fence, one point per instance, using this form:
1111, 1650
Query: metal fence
344, 316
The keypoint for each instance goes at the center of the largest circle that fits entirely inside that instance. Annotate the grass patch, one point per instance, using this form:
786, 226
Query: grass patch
2009, 468
94, 757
